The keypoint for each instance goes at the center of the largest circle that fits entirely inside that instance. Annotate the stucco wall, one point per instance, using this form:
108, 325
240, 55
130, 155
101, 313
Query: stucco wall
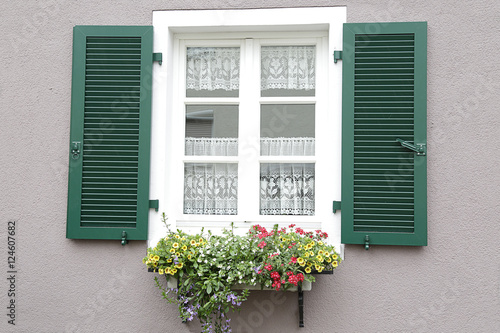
452, 285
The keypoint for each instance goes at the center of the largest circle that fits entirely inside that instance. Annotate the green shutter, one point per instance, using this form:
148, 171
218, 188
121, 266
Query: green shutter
384, 185
108, 190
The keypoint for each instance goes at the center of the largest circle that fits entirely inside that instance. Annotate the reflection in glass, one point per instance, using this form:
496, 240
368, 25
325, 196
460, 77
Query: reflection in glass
287, 130
211, 130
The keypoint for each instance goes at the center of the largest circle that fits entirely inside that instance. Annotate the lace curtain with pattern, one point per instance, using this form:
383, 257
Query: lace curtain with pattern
285, 188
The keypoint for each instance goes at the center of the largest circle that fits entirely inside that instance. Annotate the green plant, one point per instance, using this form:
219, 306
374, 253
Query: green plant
208, 266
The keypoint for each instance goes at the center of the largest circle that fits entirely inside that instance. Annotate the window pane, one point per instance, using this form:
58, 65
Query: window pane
287, 130
288, 71
211, 130
211, 188
287, 189
212, 72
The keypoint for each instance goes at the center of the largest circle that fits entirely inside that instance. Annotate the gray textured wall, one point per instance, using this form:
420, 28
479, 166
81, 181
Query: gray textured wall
452, 285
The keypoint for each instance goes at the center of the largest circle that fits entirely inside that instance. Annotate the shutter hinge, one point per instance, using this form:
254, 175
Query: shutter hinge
367, 242
154, 204
337, 55
124, 238
158, 57
336, 206
419, 148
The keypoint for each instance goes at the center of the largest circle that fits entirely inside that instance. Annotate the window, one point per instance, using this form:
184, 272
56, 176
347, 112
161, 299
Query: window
270, 145
252, 129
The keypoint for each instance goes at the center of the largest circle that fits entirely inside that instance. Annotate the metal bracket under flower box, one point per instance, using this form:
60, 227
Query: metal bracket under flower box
307, 286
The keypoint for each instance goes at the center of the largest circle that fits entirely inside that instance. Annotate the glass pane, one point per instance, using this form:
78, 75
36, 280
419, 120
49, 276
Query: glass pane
212, 72
211, 130
287, 189
288, 71
211, 188
287, 130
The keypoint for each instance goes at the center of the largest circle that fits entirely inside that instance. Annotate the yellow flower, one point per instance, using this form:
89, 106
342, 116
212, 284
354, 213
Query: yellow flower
173, 271
335, 264
184, 248
308, 270
169, 260
166, 237
160, 271
302, 264
156, 258
306, 254
183, 238
320, 243
300, 260
172, 250
321, 252
319, 257
189, 256
179, 265
318, 267
193, 242
309, 264
178, 254
176, 245
321, 269
167, 270
177, 236
311, 253
328, 259
200, 240
334, 257
151, 256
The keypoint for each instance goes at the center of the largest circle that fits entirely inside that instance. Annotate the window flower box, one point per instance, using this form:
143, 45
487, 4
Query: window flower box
208, 275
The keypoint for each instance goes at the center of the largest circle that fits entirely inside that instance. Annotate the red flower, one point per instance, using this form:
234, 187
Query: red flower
262, 244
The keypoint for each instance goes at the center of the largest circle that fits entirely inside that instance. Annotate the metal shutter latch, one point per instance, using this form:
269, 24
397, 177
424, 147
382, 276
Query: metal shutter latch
419, 148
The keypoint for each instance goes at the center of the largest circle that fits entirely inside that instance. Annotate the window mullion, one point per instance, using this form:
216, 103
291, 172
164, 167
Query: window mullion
248, 177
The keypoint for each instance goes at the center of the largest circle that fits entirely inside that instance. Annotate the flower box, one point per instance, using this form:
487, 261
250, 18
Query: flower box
206, 272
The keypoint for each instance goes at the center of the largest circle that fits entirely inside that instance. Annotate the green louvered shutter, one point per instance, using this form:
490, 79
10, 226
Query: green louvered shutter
384, 186
110, 132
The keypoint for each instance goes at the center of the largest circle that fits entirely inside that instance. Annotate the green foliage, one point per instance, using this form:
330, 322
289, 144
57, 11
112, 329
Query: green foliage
207, 267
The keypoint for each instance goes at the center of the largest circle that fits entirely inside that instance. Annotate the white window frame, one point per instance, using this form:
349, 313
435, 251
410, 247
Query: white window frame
174, 27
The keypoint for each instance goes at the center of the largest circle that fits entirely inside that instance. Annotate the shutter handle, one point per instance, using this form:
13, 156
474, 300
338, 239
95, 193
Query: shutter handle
419, 148
75, 149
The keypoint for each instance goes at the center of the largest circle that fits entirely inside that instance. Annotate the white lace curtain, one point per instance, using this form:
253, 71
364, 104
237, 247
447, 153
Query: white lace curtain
211, 146
211, 188
212, 68
287, 189
298, 146
282, 67
288, 67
